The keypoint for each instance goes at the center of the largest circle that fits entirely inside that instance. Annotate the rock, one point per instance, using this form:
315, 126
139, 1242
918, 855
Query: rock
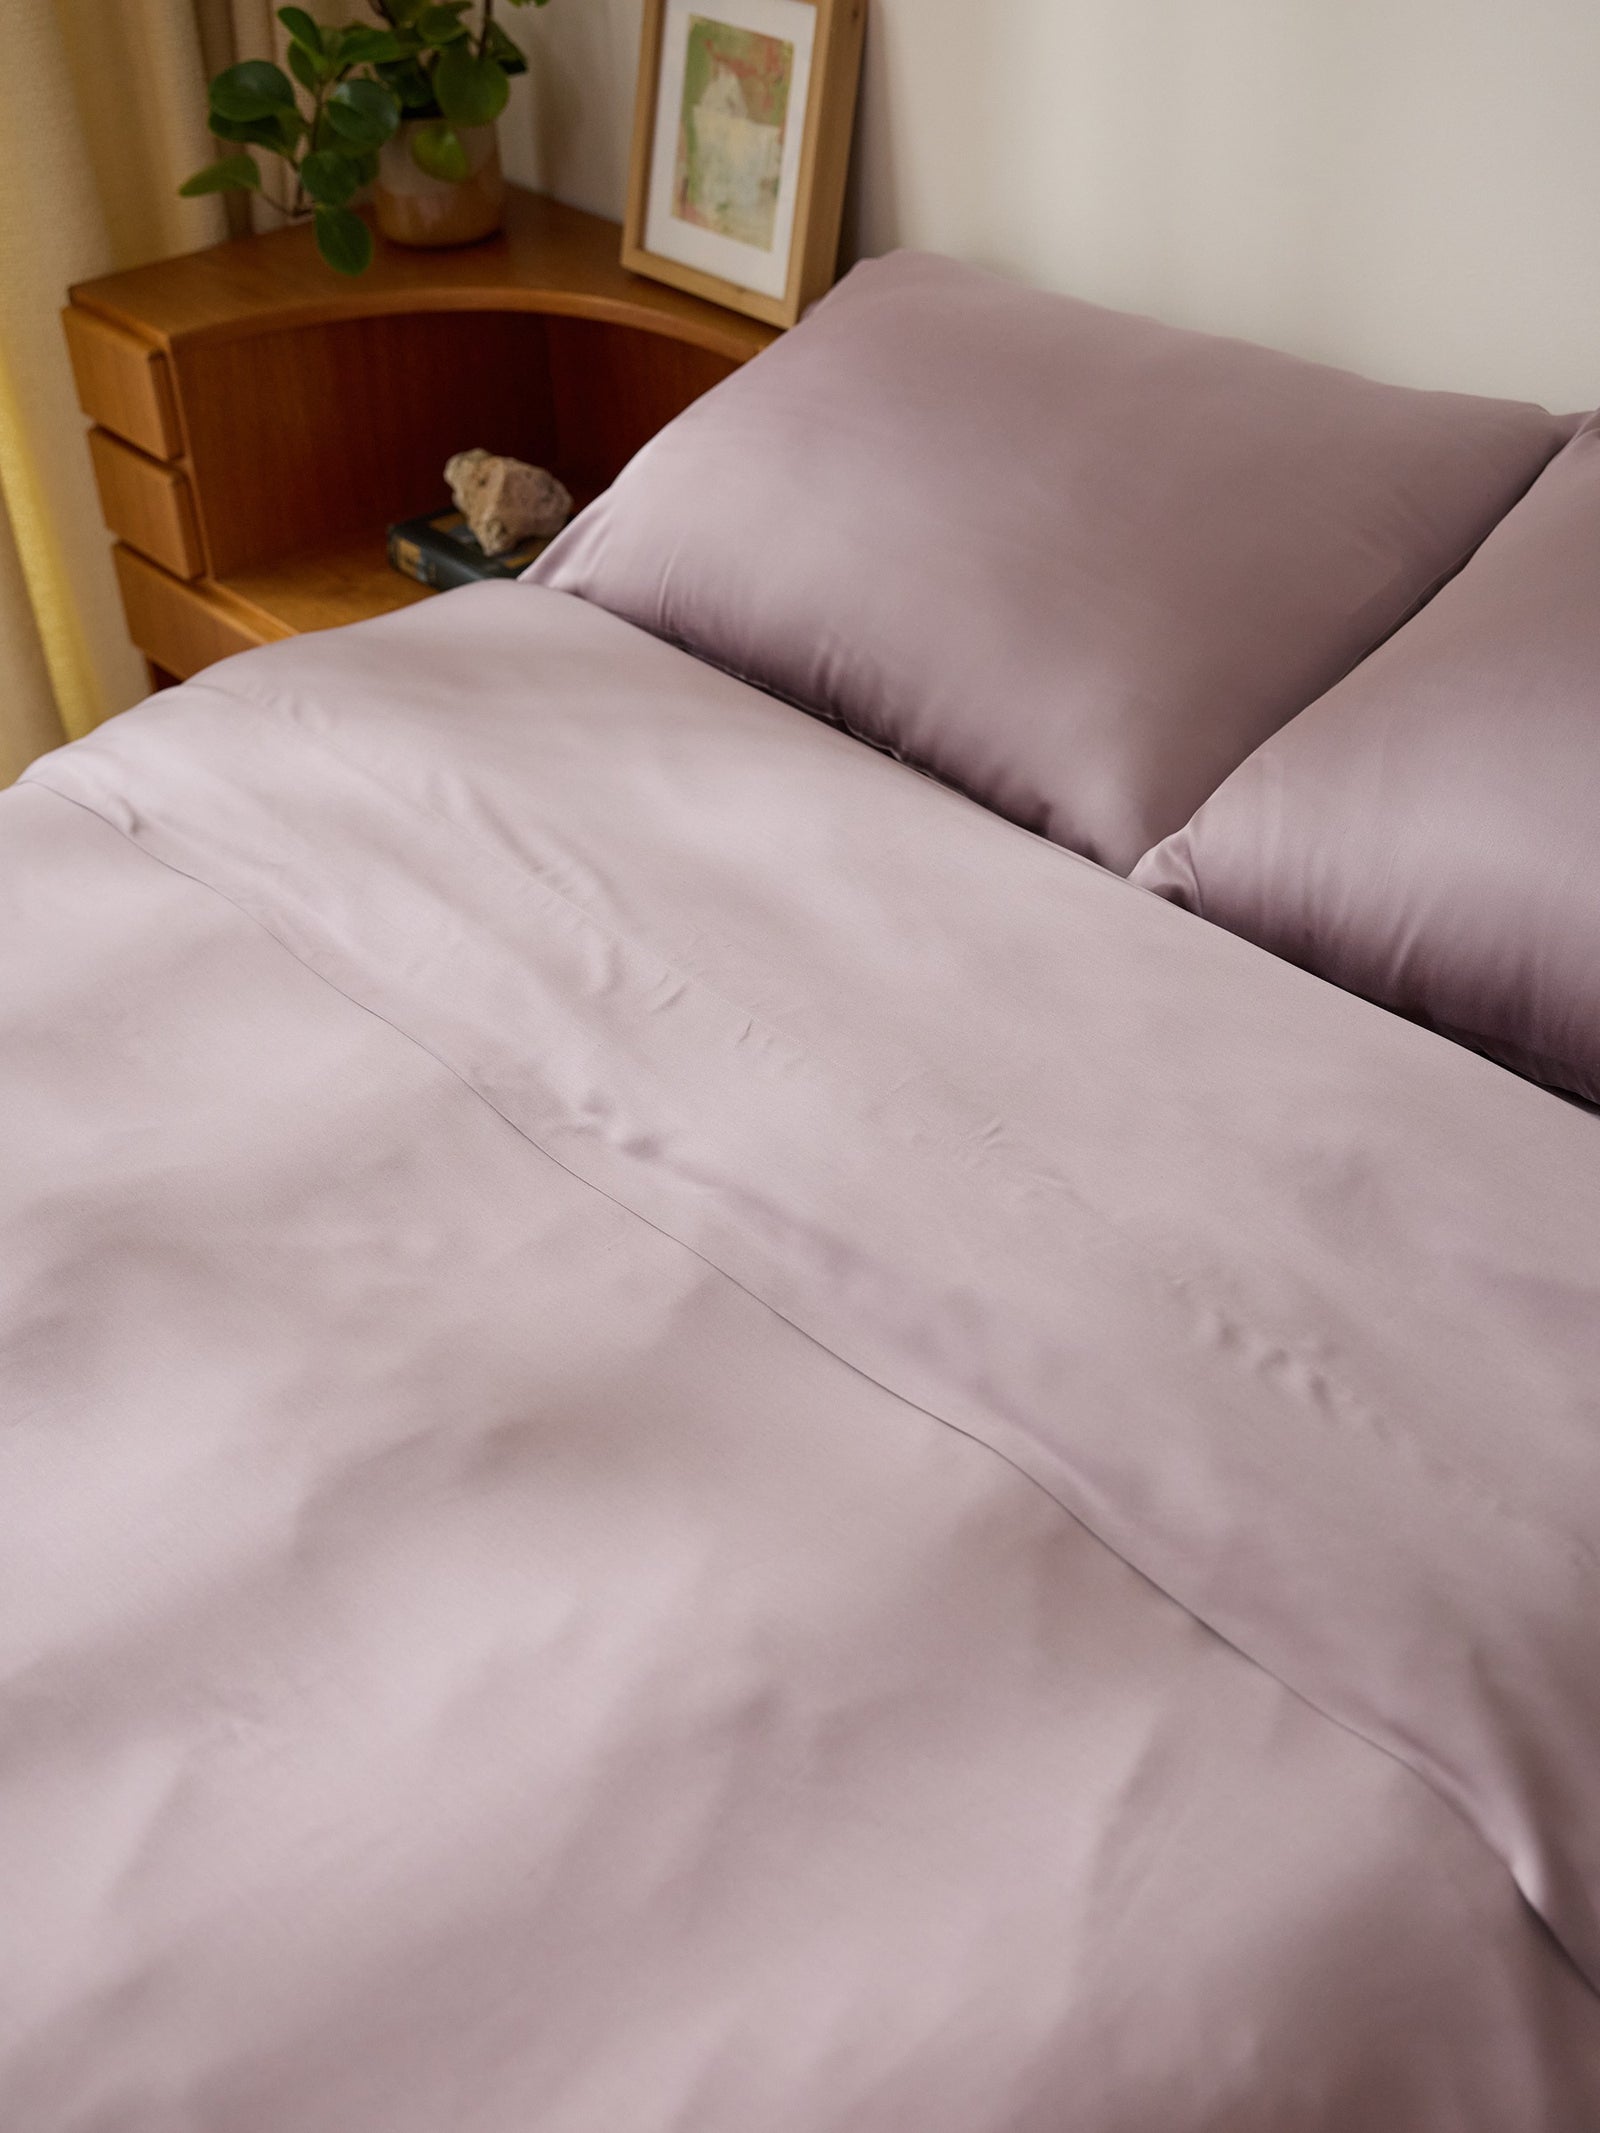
505, 500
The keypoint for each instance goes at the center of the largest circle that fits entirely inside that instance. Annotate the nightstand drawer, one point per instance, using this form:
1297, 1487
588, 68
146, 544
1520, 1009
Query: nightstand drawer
181, 627
148, 505
123, 383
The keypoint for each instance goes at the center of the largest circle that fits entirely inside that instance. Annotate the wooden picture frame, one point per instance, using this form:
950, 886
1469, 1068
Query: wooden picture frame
738, 195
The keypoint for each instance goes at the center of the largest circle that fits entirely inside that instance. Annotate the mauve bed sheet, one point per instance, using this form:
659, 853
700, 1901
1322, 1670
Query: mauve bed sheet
696, 1440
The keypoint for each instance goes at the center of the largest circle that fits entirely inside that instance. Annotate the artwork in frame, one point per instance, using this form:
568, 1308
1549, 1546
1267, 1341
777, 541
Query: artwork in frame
740, 145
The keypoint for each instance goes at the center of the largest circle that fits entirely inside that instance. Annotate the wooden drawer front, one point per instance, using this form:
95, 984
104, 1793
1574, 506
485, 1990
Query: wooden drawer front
123, 383
148, 505
177, 626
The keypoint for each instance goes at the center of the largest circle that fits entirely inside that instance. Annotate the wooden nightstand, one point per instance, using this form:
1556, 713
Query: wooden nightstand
259, 421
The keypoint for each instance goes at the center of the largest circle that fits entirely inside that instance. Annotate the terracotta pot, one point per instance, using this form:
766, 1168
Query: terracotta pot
413, 208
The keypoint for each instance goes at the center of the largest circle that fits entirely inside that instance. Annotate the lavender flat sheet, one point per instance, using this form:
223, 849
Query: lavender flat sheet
697, 1440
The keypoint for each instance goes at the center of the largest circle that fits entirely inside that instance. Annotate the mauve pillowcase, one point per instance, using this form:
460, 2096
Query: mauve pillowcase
1429, 833
1075, 562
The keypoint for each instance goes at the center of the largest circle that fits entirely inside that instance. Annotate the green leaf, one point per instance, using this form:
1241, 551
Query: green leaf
254, 89
301, 27
308, 68
506, 49
279, 134
472, 90
441, 25
257, 133
329, 177
343, 239
413, 88
227, 175
362, 46
437, 149
364, 113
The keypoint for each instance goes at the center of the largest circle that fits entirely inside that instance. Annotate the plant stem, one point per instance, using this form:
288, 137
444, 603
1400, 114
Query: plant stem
483, 34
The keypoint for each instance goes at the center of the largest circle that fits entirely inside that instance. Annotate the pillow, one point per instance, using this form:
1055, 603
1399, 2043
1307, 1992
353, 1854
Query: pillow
1429, 833
1076, 563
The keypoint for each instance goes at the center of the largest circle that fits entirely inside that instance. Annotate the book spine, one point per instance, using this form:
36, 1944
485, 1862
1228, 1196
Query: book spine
427, 564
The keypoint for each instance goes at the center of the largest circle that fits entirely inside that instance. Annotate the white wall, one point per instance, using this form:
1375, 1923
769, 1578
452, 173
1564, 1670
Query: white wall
1408, 186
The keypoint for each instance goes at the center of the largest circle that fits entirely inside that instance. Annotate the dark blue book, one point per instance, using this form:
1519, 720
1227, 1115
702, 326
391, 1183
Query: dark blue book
437, 549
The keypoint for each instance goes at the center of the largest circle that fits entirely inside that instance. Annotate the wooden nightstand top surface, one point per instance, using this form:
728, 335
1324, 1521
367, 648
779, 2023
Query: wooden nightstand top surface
550, 258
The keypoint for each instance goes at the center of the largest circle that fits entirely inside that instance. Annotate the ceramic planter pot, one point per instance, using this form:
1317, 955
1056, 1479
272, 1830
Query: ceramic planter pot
413, 207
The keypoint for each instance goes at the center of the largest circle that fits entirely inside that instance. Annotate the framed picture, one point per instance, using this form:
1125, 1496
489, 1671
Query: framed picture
741, 137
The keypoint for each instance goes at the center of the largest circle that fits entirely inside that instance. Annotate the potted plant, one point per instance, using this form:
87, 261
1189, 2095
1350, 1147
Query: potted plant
406, 103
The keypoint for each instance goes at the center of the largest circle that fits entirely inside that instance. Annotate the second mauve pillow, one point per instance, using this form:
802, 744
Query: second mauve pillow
1077, 563
1429, 833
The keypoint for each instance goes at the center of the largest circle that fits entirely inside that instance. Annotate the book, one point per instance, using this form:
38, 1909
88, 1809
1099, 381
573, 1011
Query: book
437, 550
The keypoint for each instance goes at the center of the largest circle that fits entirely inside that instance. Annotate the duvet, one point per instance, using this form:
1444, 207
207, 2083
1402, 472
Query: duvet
695, 1441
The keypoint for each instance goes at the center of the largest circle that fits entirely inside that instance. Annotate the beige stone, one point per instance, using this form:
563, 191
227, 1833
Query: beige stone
505, 500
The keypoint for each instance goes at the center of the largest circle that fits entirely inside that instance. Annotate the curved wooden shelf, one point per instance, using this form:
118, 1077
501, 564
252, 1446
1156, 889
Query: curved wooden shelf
261, 420
553, 260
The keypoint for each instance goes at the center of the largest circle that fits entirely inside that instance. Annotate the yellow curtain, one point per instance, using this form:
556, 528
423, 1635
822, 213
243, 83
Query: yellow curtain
104, 117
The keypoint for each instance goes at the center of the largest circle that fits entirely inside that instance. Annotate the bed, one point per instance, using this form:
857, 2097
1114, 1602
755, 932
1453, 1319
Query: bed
698, 1437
